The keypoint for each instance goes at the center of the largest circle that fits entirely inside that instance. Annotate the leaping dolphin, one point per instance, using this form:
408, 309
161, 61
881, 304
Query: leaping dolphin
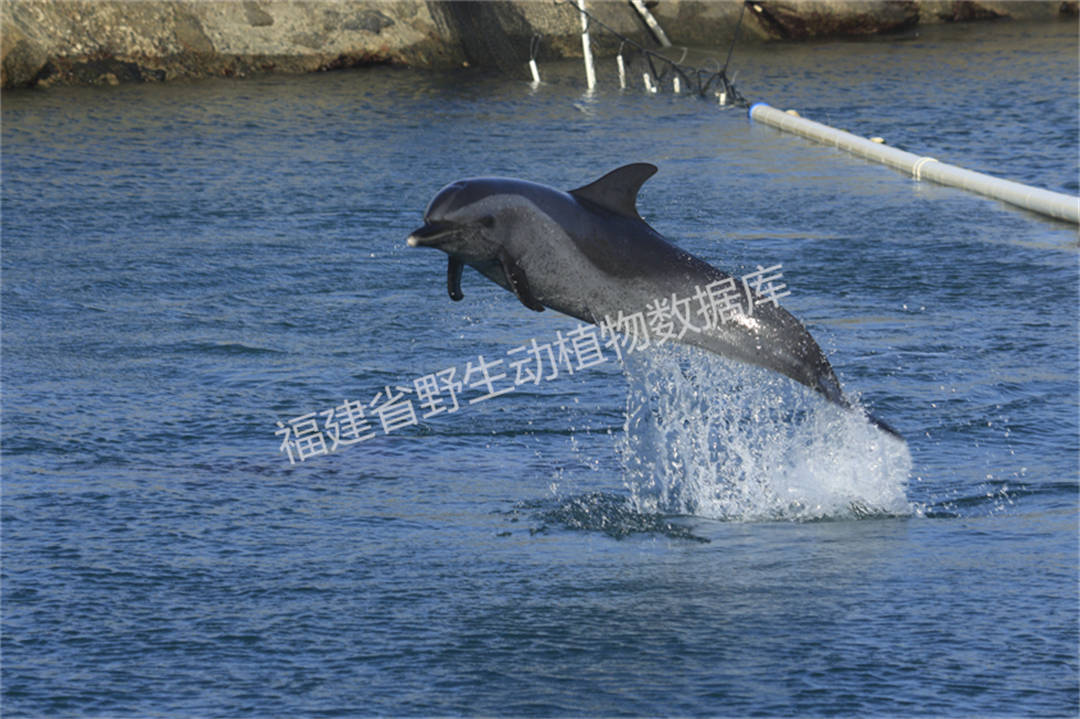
588, 254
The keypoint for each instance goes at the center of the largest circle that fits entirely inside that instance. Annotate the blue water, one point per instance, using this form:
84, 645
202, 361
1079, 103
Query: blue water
185, 266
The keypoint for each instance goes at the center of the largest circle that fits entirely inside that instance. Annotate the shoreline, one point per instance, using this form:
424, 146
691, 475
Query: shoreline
108, 42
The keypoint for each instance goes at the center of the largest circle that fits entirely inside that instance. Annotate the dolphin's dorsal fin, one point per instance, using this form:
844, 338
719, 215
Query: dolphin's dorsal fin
617, 191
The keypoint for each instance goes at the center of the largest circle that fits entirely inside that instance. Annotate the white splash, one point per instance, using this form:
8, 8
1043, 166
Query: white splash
719, 439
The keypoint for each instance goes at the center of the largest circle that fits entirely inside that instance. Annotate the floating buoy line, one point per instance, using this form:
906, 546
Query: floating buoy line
1045, 202
717, 84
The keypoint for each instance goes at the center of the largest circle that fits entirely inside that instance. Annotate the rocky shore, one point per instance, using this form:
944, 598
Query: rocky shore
47, 42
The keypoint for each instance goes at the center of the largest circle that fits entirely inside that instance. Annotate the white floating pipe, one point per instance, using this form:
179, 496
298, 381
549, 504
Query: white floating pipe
535, 72
586, 47
1054, 204
657, 31
622, 72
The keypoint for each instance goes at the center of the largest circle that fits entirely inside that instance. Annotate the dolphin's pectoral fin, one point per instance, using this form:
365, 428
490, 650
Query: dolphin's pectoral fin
453, 279
515, 277
617, 191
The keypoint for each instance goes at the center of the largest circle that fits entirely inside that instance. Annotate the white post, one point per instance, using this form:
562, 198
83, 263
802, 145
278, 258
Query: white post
654, 26
676, 85
622, 72
586, 47
648, 82
535, 72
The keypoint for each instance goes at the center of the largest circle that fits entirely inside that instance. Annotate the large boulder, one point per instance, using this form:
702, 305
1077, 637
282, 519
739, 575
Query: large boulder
931, 11
23, 58
805, 19
703, 22
81, 41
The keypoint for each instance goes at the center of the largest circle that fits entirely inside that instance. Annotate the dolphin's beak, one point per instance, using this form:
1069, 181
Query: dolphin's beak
430, 234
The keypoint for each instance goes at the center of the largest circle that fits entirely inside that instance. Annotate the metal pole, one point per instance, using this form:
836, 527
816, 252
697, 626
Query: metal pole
654, 26
586, 47
1054, 204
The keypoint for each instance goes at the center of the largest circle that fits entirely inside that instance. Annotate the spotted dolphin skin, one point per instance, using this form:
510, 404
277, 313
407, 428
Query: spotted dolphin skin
588, 254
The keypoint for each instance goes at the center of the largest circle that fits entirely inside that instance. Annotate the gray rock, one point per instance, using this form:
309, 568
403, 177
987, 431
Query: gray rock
805, 19
256, 16
371, 21
23, 58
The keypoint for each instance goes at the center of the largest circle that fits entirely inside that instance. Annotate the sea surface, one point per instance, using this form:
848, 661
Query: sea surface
202, 281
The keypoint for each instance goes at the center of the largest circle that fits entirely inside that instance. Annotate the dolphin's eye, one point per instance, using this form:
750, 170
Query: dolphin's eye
487, 221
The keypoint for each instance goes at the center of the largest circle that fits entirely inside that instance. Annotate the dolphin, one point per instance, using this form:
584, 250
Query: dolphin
587, 253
